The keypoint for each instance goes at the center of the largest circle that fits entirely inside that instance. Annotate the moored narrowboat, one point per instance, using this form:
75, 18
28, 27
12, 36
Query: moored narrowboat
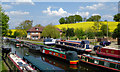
17, 64
69, 56
79, 47
101, 62
39, 65
108, 52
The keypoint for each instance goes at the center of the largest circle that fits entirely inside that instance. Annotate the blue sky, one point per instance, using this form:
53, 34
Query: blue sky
45, 13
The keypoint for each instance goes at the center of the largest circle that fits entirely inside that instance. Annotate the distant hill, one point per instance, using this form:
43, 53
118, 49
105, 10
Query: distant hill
86, 25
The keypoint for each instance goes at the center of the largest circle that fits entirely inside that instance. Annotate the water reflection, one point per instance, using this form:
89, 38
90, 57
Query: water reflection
81, 67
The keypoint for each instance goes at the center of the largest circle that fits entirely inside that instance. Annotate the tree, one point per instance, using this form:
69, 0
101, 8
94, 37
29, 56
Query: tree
70, 32
62, 20
50, 31
117, 17
78, 18
71, 19
94, 18
25, 25
79, 33
104, 29
4, 22
116, 33
90, 33
10, 32
38, 25
20, 33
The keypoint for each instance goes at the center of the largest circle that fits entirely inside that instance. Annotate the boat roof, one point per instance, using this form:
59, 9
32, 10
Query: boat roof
19, 61
39, 64
55, 50
111, 60
113, 48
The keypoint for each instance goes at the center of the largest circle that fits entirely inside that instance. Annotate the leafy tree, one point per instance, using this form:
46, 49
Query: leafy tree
90, 33
71, 19
104, 29
79, 33
20, 33
62, 20
3, 22
78, 18
116, 33
117, 17
38, 25
10, 32
94, 18
25, 25
50, 31
70, 32
67, 20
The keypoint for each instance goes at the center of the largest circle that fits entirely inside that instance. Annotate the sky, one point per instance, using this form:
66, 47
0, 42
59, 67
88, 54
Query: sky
45, 12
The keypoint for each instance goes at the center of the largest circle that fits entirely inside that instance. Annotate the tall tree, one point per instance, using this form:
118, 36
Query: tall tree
117, 17
94, 18
3, 22
79, 33
104, 29
71, 19
10, 32
62, 20
38, 25
25, 25
50, 31
78, 18
70, 32
90, 33
116, 33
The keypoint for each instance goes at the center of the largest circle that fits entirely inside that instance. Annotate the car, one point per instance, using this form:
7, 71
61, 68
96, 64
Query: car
96, 47
105, 43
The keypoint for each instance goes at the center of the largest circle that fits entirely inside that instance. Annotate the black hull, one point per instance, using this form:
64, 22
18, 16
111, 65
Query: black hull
101, 69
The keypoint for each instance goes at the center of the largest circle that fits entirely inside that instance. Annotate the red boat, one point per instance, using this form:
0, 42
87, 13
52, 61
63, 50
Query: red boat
108, 52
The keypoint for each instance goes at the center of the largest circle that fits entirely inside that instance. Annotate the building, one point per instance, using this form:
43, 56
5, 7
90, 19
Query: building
35, 32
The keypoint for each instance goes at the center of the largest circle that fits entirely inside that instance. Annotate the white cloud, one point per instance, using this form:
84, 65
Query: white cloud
60, 12
92, 7
17, 13
95, 14
5, 6
110, 17
19, 1
83, 14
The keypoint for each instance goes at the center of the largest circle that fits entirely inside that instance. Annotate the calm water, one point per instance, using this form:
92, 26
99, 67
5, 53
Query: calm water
81, 67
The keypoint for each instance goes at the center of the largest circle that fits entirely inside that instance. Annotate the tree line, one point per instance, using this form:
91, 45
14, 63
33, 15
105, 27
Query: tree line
78, 18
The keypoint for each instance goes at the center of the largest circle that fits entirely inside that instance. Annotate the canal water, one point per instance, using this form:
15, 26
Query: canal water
50, 61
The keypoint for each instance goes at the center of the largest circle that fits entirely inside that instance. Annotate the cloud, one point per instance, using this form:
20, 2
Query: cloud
60, 12
16, 2
17, 13
95, 14
83, 14
92, 7
5, 6
110, 17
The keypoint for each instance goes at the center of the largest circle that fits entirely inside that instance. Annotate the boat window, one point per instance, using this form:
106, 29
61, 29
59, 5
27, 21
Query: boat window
101, 62
112, 65
53, 53
96, 61
112, 52
106, 64
59, 55
50, 52
63, 56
